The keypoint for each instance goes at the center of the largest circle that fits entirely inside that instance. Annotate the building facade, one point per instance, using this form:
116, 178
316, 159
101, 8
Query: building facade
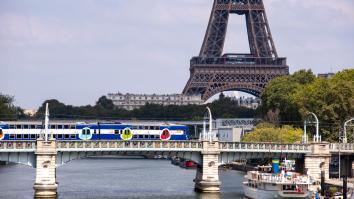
249, 102
134, 101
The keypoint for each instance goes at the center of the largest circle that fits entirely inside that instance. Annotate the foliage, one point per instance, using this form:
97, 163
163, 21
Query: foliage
8, 111
104, 108
266, 132
278, 96
331, 99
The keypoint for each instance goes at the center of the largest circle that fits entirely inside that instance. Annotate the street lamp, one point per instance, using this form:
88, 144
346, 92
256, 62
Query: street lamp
345, 129
317, 137
208, 135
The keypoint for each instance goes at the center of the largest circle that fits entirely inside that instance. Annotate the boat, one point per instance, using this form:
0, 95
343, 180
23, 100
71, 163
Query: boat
263, 185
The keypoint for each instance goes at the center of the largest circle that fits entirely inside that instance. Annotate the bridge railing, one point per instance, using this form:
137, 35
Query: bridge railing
17, 145
126, 145
335, 147
239, 146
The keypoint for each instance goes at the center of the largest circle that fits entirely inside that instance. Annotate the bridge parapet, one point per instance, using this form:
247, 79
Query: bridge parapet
17, 146
263, 147
342, 147
129, 146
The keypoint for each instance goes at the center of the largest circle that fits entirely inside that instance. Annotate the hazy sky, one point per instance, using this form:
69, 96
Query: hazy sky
78, 50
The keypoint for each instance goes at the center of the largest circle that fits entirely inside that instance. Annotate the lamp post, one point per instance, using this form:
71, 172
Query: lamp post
345, 129
304, 139
46, 122
210, 124
317, 137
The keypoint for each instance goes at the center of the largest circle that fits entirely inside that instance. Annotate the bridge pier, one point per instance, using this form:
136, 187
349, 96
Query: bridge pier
207, 176
318, 160
45, 185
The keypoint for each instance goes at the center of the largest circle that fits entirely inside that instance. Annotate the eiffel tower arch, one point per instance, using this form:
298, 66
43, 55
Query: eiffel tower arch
212, 72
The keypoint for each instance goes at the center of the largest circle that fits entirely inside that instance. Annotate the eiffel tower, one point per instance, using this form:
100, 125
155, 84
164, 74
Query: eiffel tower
212, 72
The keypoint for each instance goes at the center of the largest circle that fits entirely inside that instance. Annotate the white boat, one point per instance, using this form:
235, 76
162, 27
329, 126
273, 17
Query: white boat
260, 185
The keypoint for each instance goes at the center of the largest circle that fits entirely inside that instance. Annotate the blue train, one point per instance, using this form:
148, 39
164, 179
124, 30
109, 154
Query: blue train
93, 131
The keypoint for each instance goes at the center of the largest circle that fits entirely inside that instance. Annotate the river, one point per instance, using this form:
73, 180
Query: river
113, 178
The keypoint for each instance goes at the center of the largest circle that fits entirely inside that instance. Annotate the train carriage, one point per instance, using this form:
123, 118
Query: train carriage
93, 131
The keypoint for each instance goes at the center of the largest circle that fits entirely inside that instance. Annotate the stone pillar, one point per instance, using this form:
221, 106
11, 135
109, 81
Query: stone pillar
207, 177
45, 185
318, 160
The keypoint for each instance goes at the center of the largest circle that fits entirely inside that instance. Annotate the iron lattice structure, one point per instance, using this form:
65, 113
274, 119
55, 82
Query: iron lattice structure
212, 72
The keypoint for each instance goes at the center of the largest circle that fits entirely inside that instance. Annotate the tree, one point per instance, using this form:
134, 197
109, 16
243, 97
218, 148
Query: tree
105, 103
332, 100
292, 97
266, 132
8, 111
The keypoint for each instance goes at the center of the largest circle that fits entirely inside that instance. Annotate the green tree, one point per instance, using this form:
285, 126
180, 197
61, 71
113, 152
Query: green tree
266, 132
279, 95
332, 100
290, 98
8, 111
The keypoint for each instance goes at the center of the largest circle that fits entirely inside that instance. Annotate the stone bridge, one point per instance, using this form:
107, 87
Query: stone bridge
45, 156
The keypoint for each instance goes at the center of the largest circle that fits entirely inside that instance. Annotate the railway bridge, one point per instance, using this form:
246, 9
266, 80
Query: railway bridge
207, 152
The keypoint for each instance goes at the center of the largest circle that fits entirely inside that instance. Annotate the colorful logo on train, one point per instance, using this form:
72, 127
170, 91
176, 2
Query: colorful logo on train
85, 134
126, 134
165, 135
1, 134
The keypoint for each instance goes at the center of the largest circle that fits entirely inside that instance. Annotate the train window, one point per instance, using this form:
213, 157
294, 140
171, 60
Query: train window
72, 136
141, 136
157, 136
135, 127
66, 126
60, 127
152, 136
156, 128
66, 136
140, 127
39, 126
116, 132
94, 131
12, 126
18, 136
146, 136
32, 126
25, 136
60, 136
151, 128
135, 136
12, 136
33, 136
19, 126
72, 127
25, 126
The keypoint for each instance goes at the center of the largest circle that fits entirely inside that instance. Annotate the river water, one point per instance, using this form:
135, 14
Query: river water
113, 178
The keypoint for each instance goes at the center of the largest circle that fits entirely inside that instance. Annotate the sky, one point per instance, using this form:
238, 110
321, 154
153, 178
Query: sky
78, 50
